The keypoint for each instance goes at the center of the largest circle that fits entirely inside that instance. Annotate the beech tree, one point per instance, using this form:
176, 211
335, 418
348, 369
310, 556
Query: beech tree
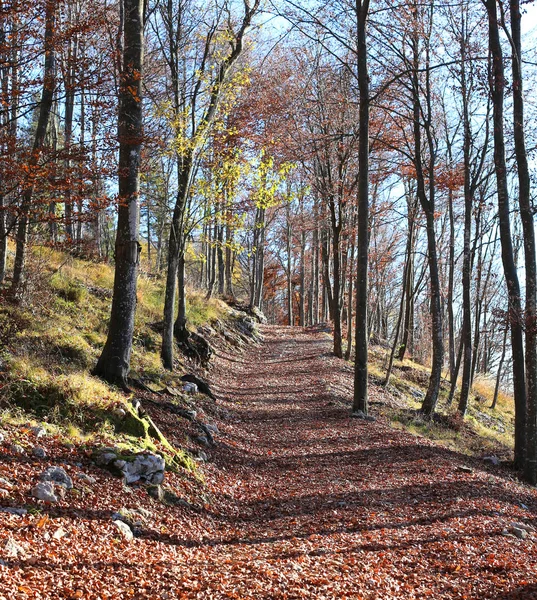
114, 362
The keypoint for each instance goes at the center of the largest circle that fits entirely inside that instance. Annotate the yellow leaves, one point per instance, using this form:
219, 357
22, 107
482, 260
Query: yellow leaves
43, 521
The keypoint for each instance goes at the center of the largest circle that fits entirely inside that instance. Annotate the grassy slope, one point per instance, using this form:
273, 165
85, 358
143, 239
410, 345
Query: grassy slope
484, 431
49, 344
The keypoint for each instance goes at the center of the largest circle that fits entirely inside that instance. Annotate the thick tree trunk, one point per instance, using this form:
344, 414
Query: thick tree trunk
113, 364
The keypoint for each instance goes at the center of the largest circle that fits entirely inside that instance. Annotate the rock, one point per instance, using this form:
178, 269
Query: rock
156, 492
120, 464
190, 388
58, 476
201, 456
38, 431
418, 394
120, 413
5, 483
359, 414
172, 391
212, 427
157, 478
493, 460
464, 469
45, 491
124, 530
523, 506
12, 549
203, 440
39, 452
527, 528
86, 478
201, 384
518, 532
106, 458
4, 493
145, 467
16, 449
14, 511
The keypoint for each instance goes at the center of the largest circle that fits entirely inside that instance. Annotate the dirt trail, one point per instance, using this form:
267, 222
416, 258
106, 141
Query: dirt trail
305, 502
324, 506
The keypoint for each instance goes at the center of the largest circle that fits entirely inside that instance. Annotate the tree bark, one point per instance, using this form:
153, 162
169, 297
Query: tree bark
45, 106
360, 398
528, 230
114, 362
497, 85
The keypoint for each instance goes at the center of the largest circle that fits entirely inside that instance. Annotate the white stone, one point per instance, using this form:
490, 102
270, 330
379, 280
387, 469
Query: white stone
45, 491
124, 529
190, 388
38, 431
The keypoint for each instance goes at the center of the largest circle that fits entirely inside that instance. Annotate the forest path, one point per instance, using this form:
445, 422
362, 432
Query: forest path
301, 501
320, 505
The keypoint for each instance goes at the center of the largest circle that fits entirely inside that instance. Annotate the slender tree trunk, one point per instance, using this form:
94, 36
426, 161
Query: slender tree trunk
466, 331
350, 292
302, 307
500, 368
221, 262
451, 277
113, 364
360, 398
427, 202
409, 283
289, 269
497, 84
69, 82
229, 262
528, 229
45, 106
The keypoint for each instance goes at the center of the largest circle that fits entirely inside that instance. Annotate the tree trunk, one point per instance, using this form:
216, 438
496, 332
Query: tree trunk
302, 307
497, 84
113, 364
466, 331
45, 106
500, 367
360, 397
528, 230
